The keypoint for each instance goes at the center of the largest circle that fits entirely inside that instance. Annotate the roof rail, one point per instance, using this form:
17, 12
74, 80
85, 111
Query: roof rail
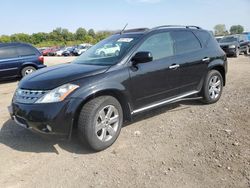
134, 30
174, 26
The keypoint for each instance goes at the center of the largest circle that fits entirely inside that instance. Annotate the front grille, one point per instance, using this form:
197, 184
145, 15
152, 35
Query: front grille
224, 47
28, 96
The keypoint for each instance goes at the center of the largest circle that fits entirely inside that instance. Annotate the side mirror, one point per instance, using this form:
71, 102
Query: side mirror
142, 57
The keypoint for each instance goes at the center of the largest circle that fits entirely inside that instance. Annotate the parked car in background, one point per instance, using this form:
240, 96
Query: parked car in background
60, 51
80, 49
68, 51
235, 44
19, 60
218, 38
108, 50
50, 51
248, 35
96, 93
42, 49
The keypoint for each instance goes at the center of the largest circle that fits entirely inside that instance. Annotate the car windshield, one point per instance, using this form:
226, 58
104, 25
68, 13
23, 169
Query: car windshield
228, 39
109, 51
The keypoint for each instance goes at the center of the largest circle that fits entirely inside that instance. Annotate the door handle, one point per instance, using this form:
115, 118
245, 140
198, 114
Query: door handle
205, 59
174, 66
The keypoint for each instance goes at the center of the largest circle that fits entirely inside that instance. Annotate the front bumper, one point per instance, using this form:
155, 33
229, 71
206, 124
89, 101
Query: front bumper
229, 51
47, 119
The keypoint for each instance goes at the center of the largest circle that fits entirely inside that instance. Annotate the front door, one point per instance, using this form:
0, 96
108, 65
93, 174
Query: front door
156, 80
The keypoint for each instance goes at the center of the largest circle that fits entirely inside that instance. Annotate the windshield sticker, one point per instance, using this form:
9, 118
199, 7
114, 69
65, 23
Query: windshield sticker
125, 40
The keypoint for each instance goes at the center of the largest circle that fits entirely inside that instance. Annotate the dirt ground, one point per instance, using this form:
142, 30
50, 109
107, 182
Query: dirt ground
183, 145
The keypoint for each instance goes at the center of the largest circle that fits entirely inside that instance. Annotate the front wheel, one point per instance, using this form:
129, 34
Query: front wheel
100, 122
247, 52
237, 52
212, 87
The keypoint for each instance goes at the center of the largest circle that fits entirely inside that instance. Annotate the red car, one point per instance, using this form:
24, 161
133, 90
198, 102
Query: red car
50, 51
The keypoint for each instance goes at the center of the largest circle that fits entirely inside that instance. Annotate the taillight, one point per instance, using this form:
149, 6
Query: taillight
41, 59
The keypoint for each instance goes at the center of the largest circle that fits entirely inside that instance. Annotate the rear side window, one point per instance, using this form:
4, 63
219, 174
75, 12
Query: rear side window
26, 51
160, 45
203, 36
185, 41
8, 52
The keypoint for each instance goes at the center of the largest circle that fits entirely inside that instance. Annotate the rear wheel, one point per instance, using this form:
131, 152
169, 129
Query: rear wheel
212, 87
27, 70
100, 122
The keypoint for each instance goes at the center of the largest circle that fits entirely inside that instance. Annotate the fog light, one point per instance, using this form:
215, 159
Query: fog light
49, 128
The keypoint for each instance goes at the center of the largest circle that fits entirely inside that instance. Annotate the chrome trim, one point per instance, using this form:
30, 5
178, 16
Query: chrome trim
8, 69
17, 122
164, 102
174, 66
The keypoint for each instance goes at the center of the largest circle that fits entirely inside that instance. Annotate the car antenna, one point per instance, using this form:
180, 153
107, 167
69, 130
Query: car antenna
123, 29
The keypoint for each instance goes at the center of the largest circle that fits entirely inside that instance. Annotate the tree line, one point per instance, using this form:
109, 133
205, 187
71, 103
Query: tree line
63, 37
58, 37
220, 29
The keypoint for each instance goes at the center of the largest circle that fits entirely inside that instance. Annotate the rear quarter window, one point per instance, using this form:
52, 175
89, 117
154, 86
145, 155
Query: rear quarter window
185, 42
8, 52
26, 51
206, 38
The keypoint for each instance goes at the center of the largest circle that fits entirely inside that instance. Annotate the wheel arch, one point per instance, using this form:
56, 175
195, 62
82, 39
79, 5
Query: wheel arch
107, 92
27, 64
222, 71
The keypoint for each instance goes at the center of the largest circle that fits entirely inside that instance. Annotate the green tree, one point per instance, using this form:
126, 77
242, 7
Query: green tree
236, 29
80, 33
5, 38
220, 29
91, 32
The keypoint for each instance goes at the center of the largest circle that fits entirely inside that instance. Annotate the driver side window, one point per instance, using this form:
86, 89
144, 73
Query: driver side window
160, 45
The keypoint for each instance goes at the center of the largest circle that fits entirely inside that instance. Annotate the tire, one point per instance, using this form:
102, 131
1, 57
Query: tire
27, 70
237, 52
212, 87
247, 52
117, 53
94, 125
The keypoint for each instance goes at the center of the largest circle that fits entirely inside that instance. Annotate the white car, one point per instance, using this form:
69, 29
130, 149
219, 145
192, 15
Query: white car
81, 49
108, 50
60, 52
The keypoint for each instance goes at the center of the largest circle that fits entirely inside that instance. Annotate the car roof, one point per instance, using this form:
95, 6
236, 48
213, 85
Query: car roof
14, 44
143, 31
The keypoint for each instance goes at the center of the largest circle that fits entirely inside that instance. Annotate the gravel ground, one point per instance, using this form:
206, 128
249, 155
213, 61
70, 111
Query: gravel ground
187, 144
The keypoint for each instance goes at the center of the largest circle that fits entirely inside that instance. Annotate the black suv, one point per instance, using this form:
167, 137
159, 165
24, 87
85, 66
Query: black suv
235, 44
96, 93
19, 59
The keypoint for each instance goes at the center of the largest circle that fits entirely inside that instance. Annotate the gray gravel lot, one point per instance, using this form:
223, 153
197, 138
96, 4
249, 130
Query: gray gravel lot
187, 144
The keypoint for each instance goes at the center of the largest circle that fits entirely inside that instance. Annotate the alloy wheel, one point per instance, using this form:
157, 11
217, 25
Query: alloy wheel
107, 123
214, 87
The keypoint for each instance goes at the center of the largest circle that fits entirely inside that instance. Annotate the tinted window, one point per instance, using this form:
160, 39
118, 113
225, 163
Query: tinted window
26, 51
185, 42
160, 45
8, 52
203, 36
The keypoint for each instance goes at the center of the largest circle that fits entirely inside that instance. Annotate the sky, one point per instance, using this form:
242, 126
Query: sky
30, 16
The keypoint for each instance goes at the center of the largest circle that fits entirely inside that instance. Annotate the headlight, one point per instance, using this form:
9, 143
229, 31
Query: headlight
58, 94
231, 46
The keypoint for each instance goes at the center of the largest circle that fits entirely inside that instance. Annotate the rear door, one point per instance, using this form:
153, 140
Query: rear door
191, 58
9, 62
157, 80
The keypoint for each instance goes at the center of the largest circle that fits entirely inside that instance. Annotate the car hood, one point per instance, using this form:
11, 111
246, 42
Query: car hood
52, 77
227, 43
